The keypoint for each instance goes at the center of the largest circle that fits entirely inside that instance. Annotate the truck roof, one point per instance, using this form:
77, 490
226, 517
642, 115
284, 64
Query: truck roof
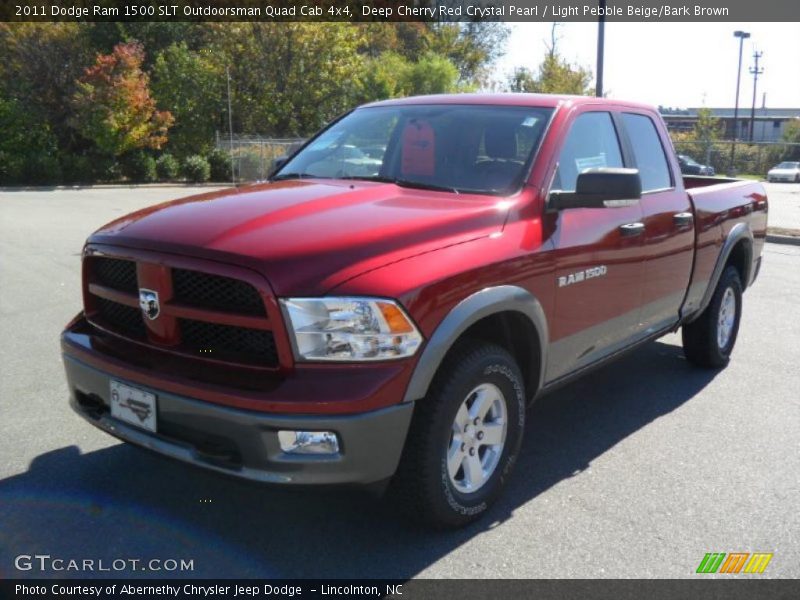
507, 99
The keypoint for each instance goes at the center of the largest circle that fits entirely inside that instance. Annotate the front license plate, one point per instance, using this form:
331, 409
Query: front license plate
133, 406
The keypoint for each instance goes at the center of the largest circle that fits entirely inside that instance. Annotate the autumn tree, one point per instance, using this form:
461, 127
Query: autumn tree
113, 107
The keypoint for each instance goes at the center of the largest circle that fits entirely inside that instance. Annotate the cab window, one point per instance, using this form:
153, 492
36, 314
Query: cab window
592, 142
648, 152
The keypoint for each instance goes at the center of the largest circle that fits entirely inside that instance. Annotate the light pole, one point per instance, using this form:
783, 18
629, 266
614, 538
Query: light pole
755, 72
742, 35
601, 37
230, 124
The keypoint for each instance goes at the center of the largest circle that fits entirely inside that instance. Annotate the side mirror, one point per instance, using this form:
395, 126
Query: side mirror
595, 187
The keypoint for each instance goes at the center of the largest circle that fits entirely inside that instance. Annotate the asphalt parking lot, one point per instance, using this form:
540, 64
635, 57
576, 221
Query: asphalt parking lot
635, 471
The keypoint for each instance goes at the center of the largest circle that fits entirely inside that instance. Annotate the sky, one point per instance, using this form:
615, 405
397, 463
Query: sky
673, 64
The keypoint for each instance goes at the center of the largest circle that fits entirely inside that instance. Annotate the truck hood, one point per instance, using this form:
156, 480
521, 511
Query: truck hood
308, 236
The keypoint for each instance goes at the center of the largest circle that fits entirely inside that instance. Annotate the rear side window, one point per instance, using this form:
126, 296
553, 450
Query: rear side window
648, 152
591, 143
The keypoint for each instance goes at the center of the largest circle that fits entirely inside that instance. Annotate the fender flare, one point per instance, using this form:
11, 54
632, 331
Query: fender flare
739, 232
481, 304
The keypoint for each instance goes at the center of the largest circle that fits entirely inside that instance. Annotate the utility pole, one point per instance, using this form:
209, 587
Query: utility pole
601, 39
755, 72
742, 35
230, 124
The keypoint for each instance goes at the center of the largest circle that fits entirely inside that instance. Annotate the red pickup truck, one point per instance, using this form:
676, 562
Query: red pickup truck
383, 310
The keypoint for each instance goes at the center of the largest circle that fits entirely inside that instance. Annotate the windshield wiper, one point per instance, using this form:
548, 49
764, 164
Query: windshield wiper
378, 178
409, 183
424, 186
283, 176
287, 176
403, 182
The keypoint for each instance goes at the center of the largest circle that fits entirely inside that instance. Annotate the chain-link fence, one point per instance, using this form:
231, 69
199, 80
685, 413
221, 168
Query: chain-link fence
253, 156
747, 158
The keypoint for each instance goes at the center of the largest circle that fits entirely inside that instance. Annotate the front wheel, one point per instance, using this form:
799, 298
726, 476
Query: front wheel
464, 438
709, 340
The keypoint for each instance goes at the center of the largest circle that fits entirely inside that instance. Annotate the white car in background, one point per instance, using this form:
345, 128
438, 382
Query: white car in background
786, 171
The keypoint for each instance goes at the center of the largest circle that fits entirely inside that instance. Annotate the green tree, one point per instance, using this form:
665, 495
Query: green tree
431, 74
707, 131
522, 80
155, 36
113, 107
791, 135
289, 78
41, 63
391, 75
555, 76
191, 88
384, 76
28, 149
471, 47
408, 39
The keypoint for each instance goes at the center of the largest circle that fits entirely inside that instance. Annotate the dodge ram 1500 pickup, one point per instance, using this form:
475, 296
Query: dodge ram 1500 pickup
384, 308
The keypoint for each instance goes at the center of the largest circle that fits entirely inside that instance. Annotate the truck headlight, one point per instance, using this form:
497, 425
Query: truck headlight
350, 329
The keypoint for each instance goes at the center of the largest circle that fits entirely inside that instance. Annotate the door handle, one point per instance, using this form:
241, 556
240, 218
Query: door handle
631, 229
683, 218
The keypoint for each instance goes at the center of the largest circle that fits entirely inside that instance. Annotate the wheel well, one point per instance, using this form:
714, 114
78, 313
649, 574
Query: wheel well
740, 259
515, 332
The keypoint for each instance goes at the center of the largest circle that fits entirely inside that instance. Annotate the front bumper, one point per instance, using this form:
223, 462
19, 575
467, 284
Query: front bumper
245, 443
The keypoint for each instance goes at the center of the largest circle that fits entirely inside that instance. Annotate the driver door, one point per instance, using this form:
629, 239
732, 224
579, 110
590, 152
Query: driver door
598, 255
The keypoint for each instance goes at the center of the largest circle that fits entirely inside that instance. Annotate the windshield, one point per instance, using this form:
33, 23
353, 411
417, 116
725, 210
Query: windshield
459, 148
690, 161
788, 165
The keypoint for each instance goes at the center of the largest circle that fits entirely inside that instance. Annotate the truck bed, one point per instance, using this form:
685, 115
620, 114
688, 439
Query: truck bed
720, 205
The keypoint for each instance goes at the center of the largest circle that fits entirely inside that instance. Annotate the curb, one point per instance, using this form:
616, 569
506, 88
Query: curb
789, 240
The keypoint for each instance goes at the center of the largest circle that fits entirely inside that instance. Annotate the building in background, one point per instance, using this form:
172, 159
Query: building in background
769, 123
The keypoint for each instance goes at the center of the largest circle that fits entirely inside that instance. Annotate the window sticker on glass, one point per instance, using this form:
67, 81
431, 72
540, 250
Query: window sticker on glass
591, 162
529, 122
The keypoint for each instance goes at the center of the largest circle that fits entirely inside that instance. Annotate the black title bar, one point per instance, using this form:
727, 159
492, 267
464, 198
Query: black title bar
697, 588
399, 10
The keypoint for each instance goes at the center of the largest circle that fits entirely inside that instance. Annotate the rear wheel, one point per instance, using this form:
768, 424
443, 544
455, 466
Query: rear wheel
709, 340
464, 439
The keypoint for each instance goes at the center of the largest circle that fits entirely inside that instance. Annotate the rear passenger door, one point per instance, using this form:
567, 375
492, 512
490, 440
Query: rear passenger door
597, 255
668, 249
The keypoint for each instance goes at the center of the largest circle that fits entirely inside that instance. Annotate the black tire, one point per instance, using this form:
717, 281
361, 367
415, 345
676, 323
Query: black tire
701, 339
422, 485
